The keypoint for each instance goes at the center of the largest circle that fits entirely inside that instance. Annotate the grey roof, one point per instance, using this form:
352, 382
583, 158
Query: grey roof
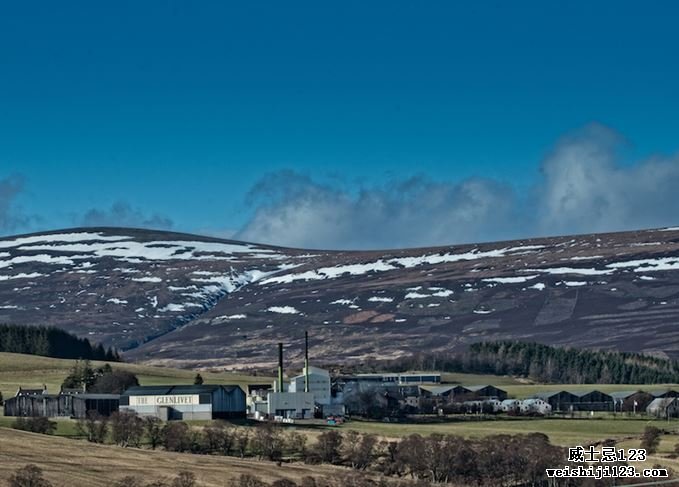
660, 392
31, 391
622, 394
661, 402
546, 395
478, 388
436, 390
178, 389
88, 395
584, 393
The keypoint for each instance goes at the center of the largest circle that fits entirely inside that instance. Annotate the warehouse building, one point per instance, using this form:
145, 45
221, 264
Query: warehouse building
560, 400
37, 402
578, 401
664, 407
631, 401
185, 402
402, 379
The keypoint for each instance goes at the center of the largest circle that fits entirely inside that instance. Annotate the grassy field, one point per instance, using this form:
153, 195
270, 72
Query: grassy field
567, 432
527, 390
32, 371
68, 462
479, 379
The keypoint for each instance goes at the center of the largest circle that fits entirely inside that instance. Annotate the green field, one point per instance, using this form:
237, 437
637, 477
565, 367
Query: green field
32, 371
560, 431
527, 390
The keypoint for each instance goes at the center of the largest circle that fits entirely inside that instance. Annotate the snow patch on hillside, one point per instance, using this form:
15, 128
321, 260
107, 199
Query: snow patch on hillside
22, 275
382, 265
378, 299
60, 237
147, 279
510, 280
286, 310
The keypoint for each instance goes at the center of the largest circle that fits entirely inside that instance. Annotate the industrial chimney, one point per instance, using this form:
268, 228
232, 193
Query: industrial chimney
306, 361
280, 367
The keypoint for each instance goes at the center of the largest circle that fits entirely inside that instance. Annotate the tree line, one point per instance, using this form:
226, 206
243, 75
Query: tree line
416, 460
49, 341
497, 460
545, 363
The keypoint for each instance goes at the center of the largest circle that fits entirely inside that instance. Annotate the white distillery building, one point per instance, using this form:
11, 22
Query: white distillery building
319, 384
185, 402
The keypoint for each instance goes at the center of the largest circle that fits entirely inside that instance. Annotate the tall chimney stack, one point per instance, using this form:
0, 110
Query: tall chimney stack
306, 361
280, 367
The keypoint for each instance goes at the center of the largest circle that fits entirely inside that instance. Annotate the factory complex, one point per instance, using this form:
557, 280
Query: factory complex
315, 393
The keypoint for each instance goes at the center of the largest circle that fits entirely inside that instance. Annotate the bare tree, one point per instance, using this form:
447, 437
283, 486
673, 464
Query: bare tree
127, 428
268, 441
129, 481
184, 479
248, 480
241, 440
296, 443
154, 430
94, 427
29, 476
651, 439
176, 436
358, 449
328, 446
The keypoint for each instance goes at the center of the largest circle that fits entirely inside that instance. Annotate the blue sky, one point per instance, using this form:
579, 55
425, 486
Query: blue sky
245, 118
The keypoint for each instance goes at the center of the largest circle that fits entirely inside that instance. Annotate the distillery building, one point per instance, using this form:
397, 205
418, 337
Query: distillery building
185, 402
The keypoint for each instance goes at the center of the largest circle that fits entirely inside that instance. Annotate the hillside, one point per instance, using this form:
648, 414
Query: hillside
68, 462
188, 300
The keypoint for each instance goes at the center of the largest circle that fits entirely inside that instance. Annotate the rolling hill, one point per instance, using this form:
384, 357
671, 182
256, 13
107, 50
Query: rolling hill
188, 300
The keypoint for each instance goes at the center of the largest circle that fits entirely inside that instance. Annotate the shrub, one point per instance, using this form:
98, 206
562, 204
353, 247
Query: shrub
176, 436
184, 479
35, 425
651, 439
248, 480
127, 428
29, 476
94, 427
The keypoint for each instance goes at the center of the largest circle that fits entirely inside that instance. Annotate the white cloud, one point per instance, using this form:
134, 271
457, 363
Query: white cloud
586, 186
294, 210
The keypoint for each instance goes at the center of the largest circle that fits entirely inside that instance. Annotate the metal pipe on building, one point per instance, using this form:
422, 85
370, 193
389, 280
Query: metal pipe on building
306, 361
280, 367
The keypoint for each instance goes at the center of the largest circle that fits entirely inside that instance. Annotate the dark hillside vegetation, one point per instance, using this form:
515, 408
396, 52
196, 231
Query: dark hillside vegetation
549, 364
51, 342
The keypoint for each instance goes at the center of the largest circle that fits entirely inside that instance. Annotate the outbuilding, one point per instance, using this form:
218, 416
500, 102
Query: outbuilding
185, 401
535, 406
664, 407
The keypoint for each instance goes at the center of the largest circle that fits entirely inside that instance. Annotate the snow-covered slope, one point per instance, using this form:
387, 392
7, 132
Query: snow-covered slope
175, 297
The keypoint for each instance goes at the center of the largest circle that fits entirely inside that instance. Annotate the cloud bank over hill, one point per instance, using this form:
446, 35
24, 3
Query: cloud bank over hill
294, 210
584, 187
